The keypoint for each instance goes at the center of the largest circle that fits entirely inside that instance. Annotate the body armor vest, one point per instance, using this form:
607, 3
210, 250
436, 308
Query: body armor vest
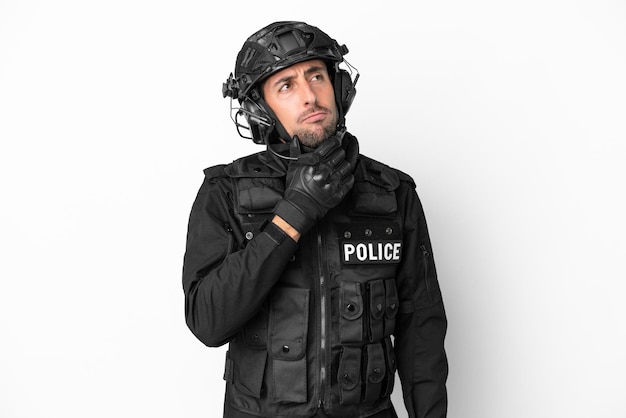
322, 339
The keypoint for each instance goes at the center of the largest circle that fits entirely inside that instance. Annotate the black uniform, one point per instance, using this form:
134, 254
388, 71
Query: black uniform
322, 324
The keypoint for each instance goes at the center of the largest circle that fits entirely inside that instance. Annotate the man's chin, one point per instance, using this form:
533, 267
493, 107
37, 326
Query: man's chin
312, 138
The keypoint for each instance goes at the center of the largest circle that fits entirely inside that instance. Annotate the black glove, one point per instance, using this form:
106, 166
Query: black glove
316, 182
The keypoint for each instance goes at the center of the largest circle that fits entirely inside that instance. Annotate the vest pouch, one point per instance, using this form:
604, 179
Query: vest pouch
390, 359
256, 195
369, 199
376, 293
255, 199
375, 371
257, 188
374, 188
351, 310
245, 367
289, 319
349, 376
392, 303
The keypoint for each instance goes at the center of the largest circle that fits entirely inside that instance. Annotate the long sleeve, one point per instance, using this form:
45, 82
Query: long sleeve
226, 282
422, 323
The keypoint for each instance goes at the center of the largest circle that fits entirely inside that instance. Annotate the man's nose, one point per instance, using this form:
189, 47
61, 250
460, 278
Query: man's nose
308, 94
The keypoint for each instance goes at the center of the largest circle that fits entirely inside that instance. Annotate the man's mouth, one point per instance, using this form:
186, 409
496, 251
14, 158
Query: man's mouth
314, 117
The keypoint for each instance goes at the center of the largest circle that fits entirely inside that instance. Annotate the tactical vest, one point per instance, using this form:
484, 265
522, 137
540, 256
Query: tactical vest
322, 339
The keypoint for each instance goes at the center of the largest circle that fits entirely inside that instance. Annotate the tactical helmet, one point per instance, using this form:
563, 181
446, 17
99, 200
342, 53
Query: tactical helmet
271, 49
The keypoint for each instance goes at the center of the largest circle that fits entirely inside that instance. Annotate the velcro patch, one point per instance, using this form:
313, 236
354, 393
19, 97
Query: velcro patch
376, 242
371, 252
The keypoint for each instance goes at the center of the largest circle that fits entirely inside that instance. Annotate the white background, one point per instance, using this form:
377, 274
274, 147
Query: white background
509, 115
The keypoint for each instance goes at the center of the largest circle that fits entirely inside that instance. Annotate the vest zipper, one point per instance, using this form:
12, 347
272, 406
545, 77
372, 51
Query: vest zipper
231, 238
323, 342
425, 254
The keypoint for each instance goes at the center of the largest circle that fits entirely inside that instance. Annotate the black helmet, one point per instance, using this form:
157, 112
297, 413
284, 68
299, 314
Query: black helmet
271, 49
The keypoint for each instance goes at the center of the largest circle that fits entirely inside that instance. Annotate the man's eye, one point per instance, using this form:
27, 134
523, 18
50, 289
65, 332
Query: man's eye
284, 87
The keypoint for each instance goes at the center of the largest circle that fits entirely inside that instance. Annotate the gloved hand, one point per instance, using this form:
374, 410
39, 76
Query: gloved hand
316, 182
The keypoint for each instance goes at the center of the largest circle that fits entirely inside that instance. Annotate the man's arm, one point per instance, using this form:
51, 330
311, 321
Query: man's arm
225, 285
422, 323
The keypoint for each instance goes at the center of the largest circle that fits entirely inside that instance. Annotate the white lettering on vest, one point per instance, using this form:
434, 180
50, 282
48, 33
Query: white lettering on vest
372, 252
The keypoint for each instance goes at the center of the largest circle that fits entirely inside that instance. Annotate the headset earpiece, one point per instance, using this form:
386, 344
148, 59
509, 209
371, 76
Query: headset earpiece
253, 113
346, 88
259, 122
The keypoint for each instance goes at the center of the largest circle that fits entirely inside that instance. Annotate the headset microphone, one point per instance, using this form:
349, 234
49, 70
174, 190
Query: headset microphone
278, 154
255, 116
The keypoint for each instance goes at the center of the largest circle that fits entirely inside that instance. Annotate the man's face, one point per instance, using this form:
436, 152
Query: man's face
303, 99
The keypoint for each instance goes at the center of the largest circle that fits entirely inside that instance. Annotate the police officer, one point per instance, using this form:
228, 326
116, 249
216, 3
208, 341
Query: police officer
311, 260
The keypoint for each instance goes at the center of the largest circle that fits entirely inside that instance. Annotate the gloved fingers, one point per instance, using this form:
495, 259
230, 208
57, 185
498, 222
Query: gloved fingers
335, 178
320, 174
337, 187
337, 157
294, 147
308, 159
343, 169
327, 147
328, 153
348, 182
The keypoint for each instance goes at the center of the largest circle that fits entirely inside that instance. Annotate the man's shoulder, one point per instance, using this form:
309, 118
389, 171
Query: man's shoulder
236, 168
215, 171
373, 169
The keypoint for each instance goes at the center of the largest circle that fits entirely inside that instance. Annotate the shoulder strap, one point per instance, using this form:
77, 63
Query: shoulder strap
375, 172
250, 166
215, 172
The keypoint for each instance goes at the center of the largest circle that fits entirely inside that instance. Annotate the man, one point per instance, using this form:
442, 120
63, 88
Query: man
312, 261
